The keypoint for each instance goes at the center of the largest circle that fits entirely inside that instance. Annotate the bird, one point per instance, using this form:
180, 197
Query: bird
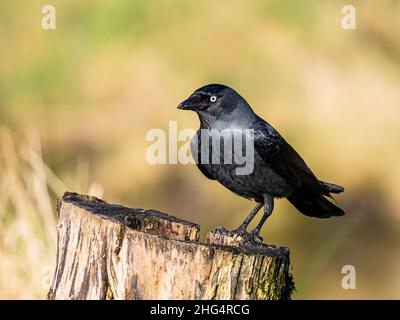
278, 170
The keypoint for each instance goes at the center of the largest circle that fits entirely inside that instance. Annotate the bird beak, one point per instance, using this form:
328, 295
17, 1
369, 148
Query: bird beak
194, 102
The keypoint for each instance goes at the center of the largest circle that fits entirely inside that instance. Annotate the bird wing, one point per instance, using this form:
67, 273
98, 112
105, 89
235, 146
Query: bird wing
285, 161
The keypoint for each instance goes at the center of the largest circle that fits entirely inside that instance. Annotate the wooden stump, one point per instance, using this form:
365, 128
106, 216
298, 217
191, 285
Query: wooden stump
108, 251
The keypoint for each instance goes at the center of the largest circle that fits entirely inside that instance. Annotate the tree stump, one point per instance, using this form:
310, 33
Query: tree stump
108, 251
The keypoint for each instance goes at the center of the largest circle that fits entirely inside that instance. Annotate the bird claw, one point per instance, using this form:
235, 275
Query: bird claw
241, 234
253, 238
248, 237
256, 238
240, 231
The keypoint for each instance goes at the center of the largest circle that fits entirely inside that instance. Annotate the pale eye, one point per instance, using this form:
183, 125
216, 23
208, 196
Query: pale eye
213, 98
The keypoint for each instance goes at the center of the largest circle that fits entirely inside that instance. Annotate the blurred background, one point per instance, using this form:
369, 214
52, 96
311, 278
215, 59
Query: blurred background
76, 104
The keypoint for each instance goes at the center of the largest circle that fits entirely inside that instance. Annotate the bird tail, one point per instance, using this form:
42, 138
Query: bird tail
315, 205
333, 188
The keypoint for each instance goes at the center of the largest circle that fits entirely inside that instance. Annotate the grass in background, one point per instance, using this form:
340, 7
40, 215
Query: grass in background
27, 219
28, 189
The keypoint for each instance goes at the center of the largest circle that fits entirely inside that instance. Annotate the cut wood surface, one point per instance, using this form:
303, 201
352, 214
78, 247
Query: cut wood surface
107, 251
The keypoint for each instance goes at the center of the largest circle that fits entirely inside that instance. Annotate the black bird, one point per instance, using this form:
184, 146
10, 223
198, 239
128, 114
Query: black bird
279, 171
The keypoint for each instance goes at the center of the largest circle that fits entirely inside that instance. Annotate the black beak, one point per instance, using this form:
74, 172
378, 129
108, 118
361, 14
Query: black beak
194, 102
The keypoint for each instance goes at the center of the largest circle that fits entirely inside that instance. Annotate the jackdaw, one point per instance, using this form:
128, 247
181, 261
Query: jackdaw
278, 170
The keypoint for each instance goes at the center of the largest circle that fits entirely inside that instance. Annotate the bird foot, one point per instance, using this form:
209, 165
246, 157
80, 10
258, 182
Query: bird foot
240, 236
255, 237
252, 237
248, 237
240, 231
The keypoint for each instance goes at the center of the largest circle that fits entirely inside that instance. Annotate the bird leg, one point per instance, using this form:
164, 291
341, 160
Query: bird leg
268, 207
245, 223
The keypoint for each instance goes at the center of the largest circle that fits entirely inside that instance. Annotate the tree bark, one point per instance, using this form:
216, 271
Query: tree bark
108, 251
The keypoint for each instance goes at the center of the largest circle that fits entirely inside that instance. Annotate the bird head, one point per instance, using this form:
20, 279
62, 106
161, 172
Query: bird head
214, 99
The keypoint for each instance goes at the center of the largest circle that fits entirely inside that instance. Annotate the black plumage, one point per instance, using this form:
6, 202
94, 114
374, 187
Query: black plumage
279, 171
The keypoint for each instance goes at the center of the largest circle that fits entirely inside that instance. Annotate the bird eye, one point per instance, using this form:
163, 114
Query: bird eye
213, 98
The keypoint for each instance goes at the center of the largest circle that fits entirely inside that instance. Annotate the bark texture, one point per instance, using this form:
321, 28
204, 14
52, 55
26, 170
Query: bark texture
108, 251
